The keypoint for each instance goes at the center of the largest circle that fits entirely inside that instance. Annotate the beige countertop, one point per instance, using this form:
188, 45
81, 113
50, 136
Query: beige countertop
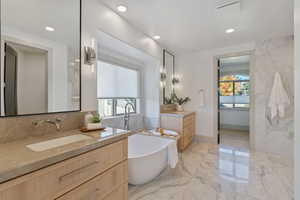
177, 114
17, 160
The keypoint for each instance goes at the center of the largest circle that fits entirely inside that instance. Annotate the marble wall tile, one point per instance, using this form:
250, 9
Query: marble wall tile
15, 128
271, 56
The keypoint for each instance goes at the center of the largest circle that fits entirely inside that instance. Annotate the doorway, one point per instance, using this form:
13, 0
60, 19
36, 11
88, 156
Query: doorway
10, 78
234, 101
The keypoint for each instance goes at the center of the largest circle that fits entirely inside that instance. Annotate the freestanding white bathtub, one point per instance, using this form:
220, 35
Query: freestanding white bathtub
147, 158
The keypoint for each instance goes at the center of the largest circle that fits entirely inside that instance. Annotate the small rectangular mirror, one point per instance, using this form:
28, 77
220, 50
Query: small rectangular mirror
40, 56
169, 69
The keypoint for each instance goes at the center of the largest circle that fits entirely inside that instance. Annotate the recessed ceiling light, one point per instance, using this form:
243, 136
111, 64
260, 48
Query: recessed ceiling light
156, 37
122, 8
231, 30
48, 28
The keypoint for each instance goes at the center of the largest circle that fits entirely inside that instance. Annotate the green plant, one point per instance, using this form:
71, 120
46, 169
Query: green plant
180, 101
96, 119
168, 100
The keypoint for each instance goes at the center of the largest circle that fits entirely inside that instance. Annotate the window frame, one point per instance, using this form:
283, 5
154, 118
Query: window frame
233, 92
114, 103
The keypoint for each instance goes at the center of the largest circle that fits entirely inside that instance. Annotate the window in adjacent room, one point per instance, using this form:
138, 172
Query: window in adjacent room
234, 91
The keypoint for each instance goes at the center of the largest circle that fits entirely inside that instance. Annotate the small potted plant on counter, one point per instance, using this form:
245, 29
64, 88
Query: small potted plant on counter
180, 102
92, 122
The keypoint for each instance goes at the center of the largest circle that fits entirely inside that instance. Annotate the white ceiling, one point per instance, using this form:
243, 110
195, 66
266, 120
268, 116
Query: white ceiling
32, 16
196, 25
235, 60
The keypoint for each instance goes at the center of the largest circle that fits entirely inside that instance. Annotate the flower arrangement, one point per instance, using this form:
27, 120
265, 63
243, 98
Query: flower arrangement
180, 101
174, 99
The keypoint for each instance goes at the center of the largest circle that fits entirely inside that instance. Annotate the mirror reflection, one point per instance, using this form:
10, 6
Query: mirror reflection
40, 53
169, 70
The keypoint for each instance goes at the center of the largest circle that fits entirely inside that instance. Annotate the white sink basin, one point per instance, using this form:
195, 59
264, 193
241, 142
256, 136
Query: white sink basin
51, 144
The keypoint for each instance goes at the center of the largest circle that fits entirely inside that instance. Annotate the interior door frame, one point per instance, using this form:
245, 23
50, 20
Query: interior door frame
4, 78
217, 123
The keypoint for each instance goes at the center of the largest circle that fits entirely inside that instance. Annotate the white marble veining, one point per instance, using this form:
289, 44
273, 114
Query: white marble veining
271, 56
212, 172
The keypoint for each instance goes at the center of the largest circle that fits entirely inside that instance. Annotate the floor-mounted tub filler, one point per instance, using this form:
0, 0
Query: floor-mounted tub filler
148, 156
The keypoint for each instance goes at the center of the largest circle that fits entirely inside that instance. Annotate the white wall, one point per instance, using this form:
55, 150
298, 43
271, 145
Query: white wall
198, 71
99, 17
152, 94
32, 83
297, 100
237, 119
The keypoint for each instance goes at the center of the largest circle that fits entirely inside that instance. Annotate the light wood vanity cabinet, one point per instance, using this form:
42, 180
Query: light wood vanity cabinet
183, 123
92, 176
113, 182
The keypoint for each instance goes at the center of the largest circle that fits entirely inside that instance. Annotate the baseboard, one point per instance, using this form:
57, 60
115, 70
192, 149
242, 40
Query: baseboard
206, 139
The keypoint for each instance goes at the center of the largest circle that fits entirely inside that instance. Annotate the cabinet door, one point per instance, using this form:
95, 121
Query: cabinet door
188, 130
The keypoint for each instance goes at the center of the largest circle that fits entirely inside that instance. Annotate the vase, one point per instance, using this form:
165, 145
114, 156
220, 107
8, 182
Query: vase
180, 108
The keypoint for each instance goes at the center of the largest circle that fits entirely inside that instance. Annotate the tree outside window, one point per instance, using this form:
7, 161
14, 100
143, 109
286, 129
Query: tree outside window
234, 91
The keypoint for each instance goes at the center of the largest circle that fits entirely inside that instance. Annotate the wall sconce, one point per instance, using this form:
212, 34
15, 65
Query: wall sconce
175, 80
163, 78
89, 56
163, 75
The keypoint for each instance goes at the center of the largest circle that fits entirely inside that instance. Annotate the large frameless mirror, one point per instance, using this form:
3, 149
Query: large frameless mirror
40, 56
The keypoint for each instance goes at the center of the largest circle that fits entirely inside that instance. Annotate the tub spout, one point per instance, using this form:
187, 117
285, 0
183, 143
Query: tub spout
127, 115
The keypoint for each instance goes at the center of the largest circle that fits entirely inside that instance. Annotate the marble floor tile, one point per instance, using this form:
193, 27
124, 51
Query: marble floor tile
235, 138
212, 172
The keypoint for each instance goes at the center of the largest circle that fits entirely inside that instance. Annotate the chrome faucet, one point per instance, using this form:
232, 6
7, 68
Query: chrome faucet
127, 115
56, 123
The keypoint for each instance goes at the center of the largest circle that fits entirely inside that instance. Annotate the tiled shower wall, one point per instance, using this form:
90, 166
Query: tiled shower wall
271, 56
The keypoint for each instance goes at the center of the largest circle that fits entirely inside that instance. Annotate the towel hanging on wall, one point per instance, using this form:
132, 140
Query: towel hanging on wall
279, 98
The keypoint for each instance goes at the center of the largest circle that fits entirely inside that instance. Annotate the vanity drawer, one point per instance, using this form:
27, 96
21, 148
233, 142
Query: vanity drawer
53, 181
108, 186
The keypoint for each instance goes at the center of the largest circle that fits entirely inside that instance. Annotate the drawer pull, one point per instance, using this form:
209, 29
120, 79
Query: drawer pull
76, 171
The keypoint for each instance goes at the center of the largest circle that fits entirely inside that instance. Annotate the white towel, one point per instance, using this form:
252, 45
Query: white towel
172, 154
167, 132
279, 99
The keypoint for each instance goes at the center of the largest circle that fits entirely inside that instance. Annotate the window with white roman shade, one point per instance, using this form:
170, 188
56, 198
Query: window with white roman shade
116, 86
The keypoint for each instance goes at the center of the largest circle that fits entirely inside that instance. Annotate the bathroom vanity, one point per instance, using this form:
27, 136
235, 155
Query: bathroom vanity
94, 168
181, 122
41, 158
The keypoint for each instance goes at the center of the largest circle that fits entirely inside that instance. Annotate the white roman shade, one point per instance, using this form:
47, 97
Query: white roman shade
116, 81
